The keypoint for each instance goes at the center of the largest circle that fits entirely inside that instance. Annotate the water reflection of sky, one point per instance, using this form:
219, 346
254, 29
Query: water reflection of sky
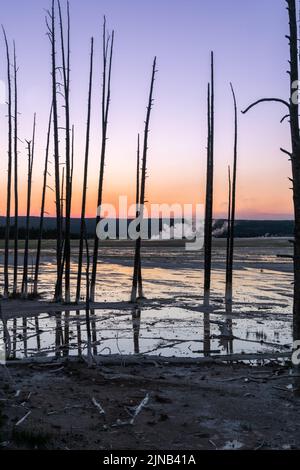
168, 332
176, 325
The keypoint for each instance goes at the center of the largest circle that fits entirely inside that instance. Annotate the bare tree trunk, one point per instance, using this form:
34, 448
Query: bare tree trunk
72, 162
62, 200
293, 114
25, 336
30, 148
137, 281
39, 244
87, 307
136, 324
52, 37
209, 189
16, 227
228, 225
229, 271
105, 110
140, 277
66, 86
206, 334
295, 158
62, 229
86, 162
137, 256
9, 172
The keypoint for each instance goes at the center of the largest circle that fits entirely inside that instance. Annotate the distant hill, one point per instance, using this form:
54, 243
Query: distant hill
243, 228
50, 223
257, 228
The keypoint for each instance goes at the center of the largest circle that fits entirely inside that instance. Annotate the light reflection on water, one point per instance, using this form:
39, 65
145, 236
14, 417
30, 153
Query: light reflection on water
262, 306
168, 332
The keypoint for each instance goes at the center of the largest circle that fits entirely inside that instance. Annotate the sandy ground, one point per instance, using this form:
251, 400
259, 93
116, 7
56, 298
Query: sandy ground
73, 406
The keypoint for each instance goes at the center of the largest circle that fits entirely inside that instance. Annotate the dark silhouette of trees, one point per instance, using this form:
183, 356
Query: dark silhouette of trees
137, 256
9, 169
293, 113
42, 213
209, 188
52, 37
85, 176
107, 55
228, 224
231, 221
16, 229
30, 149
65, 53
138, 283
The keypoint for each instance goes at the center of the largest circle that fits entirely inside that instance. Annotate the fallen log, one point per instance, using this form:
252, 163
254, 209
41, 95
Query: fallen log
139, 359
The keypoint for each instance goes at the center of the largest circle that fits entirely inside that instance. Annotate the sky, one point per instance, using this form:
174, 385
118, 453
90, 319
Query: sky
248, 40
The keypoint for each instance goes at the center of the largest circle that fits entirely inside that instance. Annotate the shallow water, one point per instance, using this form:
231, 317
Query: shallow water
169, 331
260, 322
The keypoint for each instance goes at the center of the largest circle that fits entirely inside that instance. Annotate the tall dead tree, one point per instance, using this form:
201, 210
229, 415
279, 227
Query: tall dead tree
30, 149
107, 55
138, 283
137, 255
65, 53
72, 162
52, 37
140, 278
87, 304
209, 188
228, 223
42, 213
229, 270
86, 163
16, 224
292, 106
9, 170
62, 200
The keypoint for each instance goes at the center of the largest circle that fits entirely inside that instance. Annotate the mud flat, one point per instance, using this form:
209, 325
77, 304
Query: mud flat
73, 406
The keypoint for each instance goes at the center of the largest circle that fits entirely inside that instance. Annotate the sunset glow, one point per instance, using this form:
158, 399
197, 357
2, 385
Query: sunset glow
177, 143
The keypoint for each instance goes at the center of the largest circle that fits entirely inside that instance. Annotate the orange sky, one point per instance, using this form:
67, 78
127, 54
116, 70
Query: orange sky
253, 201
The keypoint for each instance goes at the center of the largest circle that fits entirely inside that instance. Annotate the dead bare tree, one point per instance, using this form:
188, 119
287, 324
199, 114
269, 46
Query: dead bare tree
137, 194
292, 106
86, 162
107, 55
62, 200
140, 278
16, 224
138, 283
63, 251
42, 214
52, 37
9, 170
137, 256
209, 188
87, 305
136, 325
65, 53
228, 223
72, 162
229, 270
30, 149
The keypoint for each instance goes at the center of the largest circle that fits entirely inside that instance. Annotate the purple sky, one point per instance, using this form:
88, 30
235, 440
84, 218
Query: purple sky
250, 50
